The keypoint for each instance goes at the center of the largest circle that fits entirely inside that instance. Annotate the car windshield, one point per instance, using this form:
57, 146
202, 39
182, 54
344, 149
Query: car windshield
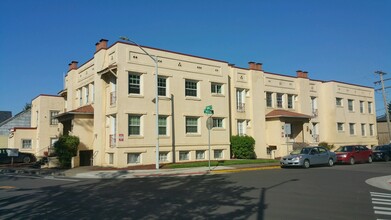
380, 148
301, 151
345, 149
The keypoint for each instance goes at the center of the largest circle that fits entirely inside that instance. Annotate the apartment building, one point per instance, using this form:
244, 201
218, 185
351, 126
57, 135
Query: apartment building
109, 102
44, 128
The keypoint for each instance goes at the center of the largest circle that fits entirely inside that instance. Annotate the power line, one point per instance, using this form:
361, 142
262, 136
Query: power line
385, 101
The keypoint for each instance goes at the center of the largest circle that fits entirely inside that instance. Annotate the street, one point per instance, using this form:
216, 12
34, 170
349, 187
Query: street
338, 192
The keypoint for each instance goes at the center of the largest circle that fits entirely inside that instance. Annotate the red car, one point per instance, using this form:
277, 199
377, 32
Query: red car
353, 153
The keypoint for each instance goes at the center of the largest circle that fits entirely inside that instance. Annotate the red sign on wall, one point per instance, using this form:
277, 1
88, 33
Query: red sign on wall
121, 137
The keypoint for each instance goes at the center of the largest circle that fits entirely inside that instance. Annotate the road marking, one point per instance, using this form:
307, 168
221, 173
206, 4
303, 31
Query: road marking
7, 187
245, 169
381, 208
44, 177
381, 199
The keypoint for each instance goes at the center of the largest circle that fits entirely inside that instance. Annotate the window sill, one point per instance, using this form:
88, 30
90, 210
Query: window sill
135, 96
193, 135
192, 98
217, 95
135, 137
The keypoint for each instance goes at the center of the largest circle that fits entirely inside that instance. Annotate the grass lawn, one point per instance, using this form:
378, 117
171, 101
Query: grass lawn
215, 163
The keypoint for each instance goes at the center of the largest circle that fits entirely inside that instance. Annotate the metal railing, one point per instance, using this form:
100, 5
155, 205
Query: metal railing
240, 107
315, 112
112, 140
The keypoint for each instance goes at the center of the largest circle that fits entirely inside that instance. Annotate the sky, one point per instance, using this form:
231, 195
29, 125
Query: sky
341, 40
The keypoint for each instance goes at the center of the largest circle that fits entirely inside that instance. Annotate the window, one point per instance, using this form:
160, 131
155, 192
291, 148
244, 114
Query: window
52, 141
270, 149
111, 158
163, 156
191, 88
371, 129
370, 107
218, 122
86, 94
134, 125
340, 127
79, 94
240, 100
134, 83
351, 128
183, 155
93, 93
191, 125
53, 119
26, 144
216, 88
290, 101
279, 100
361, 107
314, 106
218, 154
362, 129
338, 102
269, 99
162, 86
134, 157
162, 125
200, 154
350, 105
241, 127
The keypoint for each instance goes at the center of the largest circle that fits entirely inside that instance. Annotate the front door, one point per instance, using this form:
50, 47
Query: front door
86, 157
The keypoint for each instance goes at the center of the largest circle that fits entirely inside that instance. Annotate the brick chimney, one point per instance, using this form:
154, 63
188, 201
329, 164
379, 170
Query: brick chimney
102, 44
73, 65
259, 66
301, 74
252, 65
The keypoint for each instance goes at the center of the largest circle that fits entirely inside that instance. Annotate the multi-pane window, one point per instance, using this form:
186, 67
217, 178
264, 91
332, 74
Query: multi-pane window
216, 88
200, 154
134, 158
314, 106
86, 94
218, 122
162, 86
134, 122
350, 105
362, 129
111, 158
53, 119
338, 101
279, 100
269, 99
163, 156
26, 144
183, 155
240, 100
371, 129
191, 88
191, 125
370, 107
241, 127
361, 107
134, 83
340, 126
79, 94
162, 125
290, 101
351, 128
218, 154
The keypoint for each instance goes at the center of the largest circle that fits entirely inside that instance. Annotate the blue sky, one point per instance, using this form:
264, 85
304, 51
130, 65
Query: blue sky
342, 40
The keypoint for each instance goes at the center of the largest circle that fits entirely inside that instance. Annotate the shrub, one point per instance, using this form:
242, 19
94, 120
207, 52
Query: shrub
66, 148
326, 145
243, 147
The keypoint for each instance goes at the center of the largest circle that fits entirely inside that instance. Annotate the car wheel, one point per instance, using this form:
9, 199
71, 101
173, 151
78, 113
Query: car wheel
370, 159
386, 158
26, 159
331, 162
306, 164
351, 161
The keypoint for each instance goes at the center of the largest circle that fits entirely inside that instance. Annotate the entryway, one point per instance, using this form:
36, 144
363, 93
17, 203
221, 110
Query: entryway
86, 157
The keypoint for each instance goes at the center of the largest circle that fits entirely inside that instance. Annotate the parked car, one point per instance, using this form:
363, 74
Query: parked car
309, 156
6, 156
382, 152
353, 153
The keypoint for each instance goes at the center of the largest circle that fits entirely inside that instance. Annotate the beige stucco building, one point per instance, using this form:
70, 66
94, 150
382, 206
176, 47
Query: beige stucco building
109, 102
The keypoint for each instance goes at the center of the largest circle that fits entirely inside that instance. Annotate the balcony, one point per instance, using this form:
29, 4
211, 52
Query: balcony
315, 113
113, 140
241, 107
315, 138
113, 98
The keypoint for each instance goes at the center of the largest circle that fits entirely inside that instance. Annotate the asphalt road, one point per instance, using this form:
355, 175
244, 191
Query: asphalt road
338, 192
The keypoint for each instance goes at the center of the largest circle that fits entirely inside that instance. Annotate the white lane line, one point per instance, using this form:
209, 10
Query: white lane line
382, 208
382, 213
381, 203
384, 200
380, 194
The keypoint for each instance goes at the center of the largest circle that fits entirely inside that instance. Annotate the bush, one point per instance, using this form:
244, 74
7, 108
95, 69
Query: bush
242, 147
66, 148
326, 145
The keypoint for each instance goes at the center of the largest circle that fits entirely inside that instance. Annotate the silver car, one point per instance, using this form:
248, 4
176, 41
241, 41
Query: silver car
309, 156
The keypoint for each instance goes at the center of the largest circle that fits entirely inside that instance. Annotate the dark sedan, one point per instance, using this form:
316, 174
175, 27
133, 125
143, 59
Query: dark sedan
8, 155
382, 152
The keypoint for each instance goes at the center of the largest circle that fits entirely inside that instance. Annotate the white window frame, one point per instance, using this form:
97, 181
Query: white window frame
370, 107
269, 99
340, 127
371, 129
352, 128
219, 153
53, 120
351, 105
129, 159
362, 107
339, 102
216, 88
139, 125
291, 101
189, 88
165, 125
363, 131
110, 158
218, 122
184, 155
134, 83
280, 100
27, 144
188, 126
241, 127
162, 86
200, 155
163, 156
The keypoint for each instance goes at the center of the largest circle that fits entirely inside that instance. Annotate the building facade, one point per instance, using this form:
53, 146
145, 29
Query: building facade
109, 102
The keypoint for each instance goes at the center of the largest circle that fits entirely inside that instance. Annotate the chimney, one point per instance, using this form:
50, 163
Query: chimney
73, 65
252, 65
102, 44
301, 74
259, 66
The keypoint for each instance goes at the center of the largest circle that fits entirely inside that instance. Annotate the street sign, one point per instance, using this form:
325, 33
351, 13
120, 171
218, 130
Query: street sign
208, 110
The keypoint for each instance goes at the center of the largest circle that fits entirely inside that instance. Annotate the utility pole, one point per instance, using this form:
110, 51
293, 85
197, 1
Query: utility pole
385, 101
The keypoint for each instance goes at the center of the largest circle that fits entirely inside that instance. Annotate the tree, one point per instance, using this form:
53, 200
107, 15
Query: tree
27, 106
243, 147
66, 147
